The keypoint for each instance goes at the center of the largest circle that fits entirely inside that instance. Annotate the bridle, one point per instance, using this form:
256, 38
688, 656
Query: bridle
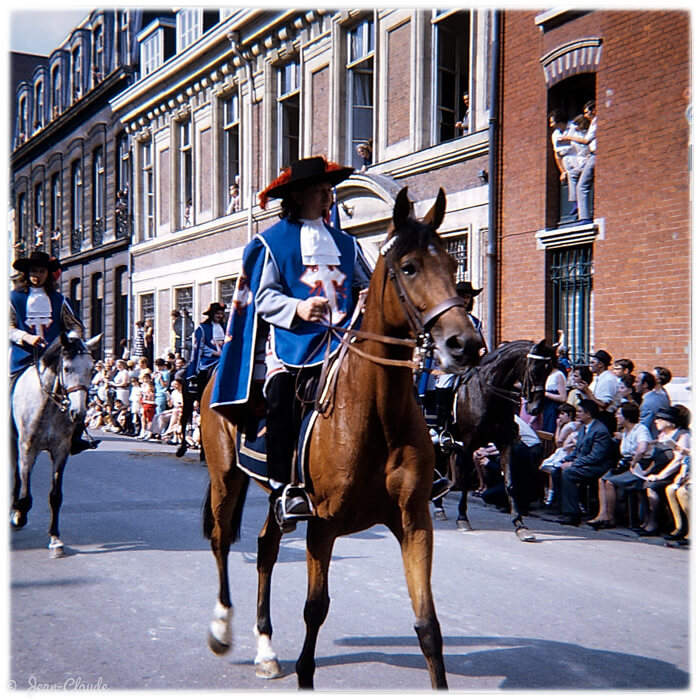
530, 385
58, 393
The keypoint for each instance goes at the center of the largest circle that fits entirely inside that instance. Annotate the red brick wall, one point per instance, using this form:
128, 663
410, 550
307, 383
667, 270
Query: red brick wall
641, 278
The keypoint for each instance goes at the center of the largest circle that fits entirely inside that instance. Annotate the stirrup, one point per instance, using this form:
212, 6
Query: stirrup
286, 520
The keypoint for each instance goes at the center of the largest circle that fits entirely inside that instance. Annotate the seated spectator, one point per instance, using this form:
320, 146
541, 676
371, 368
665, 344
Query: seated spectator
636, 448
554, 394
193, 434
168, 421
526, 454
672, 426
579, 376
678, 496
591, 458
663, 377
652, 401
626, 391
565, 440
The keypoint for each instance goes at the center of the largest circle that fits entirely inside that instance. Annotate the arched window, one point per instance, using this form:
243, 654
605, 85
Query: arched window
97, 291
39, 105
56, 101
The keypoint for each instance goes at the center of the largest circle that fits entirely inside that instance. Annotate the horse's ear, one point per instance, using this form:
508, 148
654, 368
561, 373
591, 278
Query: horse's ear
93, 341
402, 209
436, 213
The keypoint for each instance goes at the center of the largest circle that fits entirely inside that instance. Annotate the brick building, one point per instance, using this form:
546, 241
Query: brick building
623, 282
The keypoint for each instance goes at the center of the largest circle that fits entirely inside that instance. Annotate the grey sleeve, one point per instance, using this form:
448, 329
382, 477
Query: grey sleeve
271, 303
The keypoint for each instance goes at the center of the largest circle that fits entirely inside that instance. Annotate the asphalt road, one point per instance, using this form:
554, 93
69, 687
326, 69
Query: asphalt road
129, 607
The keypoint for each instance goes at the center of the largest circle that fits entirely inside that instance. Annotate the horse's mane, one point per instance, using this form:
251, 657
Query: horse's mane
70, 347
505, 356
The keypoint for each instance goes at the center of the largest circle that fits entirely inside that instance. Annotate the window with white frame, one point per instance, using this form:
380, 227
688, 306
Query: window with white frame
39, 214
21, 228
149, 195
186, 172
39, 105
123, 163
189, 27
288, 114
76, 73
151, 53
451, 30
22, 120
99, 185
232, 153
97, 54
55, 212
360, 87
56, 102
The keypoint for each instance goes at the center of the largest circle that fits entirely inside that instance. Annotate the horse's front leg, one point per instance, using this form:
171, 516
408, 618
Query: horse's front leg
58, 460
416, 538
319, 547
266, 662
22, 495
522, 532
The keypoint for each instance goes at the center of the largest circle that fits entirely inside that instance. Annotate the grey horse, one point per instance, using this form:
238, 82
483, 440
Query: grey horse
48, 398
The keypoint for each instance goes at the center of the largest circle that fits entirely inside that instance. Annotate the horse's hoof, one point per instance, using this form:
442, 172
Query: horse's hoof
17, 520
464, 525
439, 514
181, 451
56, 552
216, 645
270, 668
525, 535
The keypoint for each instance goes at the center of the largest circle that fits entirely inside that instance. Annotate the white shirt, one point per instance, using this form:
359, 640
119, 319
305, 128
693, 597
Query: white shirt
38, 310
604, 386
527, 435
631, 439
317, 244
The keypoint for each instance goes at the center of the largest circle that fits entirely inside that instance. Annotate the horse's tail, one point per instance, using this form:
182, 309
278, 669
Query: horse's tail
236, 515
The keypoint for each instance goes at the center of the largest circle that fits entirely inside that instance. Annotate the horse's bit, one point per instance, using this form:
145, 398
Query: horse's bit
58, 394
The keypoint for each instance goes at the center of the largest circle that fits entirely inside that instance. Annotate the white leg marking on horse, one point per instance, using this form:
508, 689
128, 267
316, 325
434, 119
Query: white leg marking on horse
15, 518
56, 548
221, 627
266, 663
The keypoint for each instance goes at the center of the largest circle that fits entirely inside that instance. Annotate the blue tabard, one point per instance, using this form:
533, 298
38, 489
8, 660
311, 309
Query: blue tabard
299, 346
201, 359
21, 356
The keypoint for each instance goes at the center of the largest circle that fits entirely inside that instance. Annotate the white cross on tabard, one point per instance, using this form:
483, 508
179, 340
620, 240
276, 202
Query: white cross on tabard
327, 281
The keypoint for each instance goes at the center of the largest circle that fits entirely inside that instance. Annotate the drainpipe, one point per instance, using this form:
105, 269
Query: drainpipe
247, 61
492, 248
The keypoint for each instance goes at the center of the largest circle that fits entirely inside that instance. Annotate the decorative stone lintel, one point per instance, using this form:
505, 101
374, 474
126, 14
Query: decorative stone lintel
569, 236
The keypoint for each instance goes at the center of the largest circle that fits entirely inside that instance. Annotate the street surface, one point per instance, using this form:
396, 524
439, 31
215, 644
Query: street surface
130, 605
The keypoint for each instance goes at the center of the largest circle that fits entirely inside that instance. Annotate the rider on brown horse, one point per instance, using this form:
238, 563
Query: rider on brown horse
302, 276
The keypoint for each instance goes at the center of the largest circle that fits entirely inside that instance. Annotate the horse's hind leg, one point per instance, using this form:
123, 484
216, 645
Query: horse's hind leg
319, 547
266, 662
55, 501
416, 539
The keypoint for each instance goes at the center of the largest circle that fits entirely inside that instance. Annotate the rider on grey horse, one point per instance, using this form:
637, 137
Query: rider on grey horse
38, 314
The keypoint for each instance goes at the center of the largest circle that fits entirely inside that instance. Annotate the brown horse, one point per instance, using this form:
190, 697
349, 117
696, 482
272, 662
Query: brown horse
370, 459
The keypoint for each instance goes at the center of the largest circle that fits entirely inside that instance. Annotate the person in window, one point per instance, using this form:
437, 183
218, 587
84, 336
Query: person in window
581, 177
234, 199
562, 146
575, 160
466, 118
38, 314
278, 304
364, 150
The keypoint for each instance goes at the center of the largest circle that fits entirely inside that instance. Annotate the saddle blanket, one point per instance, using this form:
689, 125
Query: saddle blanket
251, 450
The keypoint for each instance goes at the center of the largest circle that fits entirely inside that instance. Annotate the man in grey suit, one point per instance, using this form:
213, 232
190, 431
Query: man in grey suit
592, 457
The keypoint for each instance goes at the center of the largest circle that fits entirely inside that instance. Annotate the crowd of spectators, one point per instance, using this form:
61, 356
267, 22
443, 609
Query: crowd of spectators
142, 399
618, 452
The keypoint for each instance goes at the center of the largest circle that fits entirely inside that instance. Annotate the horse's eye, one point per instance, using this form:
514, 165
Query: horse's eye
408, 269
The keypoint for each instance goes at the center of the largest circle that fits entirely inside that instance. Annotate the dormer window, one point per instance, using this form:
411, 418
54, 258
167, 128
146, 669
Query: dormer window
55, 91
155, 41
39, 106
76, 73
189, 27
97, 54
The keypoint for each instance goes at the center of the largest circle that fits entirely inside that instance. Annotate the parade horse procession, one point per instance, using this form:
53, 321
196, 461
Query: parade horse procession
367, 458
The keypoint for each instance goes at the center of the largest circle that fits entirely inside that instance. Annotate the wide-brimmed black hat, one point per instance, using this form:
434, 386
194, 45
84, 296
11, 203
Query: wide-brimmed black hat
304, 172
38, 258
603, 357
466, 288
669, 413
213, 308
